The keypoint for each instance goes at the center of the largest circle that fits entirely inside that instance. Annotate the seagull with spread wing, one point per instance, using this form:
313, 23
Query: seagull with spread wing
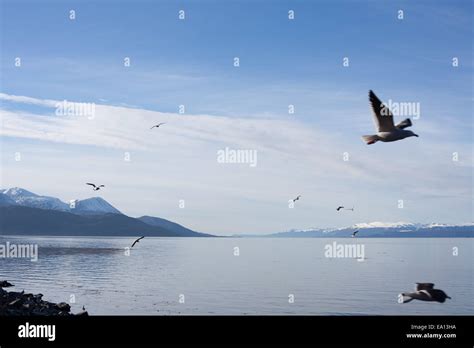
157, 125
425, 292
95, 187
137, 241
387, 131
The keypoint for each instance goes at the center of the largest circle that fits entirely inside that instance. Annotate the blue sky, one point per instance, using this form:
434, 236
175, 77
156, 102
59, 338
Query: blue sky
282, 62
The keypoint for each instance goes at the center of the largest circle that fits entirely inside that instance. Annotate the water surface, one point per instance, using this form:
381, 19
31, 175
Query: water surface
213, 280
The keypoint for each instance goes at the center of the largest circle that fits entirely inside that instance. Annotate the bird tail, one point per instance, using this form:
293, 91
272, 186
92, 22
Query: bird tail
370, 139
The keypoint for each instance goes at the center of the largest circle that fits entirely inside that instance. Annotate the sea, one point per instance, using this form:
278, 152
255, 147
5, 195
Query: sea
243, 276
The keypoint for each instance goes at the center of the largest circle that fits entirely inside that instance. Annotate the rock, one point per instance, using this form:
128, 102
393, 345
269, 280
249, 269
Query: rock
15, 302
21, 304
5, 284
63, 306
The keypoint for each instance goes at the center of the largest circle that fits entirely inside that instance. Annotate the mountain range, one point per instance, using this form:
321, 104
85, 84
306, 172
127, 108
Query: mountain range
386, 230
26, 213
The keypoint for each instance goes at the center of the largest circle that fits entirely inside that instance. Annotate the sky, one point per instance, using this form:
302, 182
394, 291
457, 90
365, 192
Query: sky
317, 152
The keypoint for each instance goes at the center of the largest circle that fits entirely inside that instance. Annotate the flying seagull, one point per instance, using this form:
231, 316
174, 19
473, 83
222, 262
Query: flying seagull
138, 240
386, 130
95, 188
354, 233
297, 198
425, 292
339, 208
157, 125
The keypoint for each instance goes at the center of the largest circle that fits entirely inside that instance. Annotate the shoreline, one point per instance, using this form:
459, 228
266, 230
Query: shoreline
14, 303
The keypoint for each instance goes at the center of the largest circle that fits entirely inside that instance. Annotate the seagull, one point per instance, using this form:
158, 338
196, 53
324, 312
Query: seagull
95, 188
138, 240
425, 292
354, 233
339, 208
297, 198
386, 130
157, 125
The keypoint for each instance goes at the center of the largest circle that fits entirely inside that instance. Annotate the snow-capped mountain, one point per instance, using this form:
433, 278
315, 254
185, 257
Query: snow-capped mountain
94, 205
378, 224
387, 229
19, 196
29, 199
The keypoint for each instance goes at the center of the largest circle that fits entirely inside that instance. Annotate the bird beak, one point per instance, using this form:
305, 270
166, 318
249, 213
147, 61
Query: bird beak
416, 135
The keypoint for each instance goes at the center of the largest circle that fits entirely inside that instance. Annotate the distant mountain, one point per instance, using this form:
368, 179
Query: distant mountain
24, 212
171, 226
20, 220
386, 230
94, 205
29, 199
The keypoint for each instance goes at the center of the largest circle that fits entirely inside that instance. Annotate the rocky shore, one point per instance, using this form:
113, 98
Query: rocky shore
22, 304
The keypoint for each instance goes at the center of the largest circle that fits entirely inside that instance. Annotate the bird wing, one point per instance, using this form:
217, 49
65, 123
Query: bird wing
427, 293
404, 124
88, 183
382, 116
102, 186
135, 242
424, 286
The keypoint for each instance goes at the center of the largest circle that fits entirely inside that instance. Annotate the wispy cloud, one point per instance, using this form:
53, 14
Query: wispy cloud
28, 100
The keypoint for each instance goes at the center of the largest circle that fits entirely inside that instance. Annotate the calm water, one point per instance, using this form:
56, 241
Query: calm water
258, 281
